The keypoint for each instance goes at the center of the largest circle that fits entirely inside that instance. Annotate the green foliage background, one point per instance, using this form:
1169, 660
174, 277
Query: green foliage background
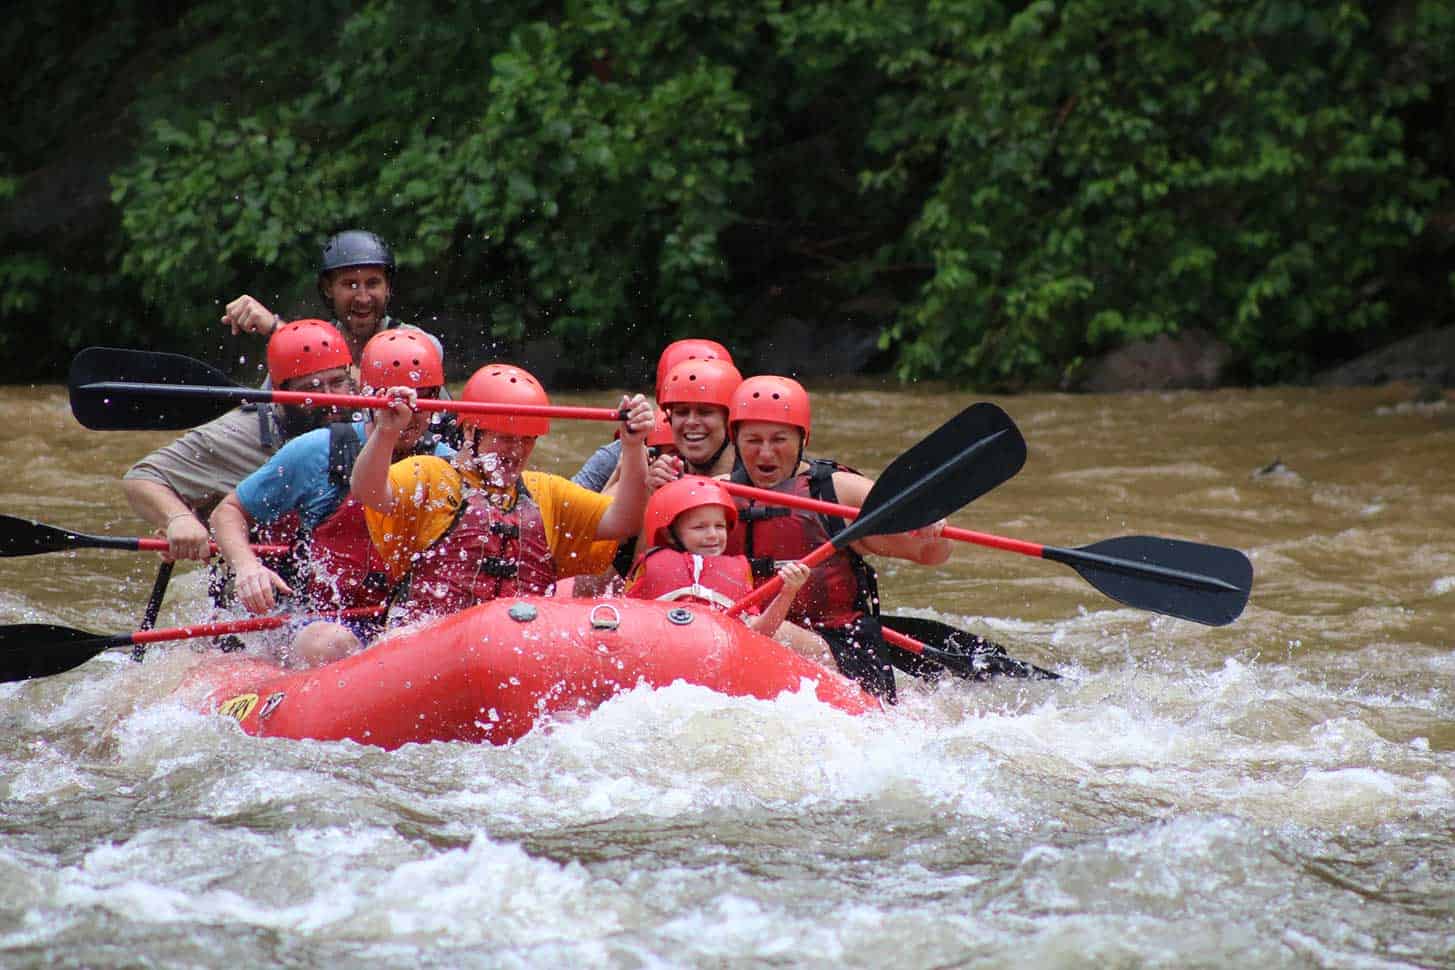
1011, 187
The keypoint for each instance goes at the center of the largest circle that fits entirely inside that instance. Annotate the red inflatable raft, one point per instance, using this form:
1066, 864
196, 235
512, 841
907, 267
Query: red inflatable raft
491, 673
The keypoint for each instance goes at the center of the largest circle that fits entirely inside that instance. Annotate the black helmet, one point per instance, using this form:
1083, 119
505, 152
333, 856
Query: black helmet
355, 247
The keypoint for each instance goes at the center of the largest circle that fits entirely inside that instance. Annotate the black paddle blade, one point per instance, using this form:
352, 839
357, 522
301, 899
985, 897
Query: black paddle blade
26, 537
1188, 580
967, 456
959, 651
135, 408
29, 650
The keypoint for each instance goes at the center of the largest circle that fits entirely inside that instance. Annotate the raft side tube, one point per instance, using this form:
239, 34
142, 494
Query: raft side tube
492, 672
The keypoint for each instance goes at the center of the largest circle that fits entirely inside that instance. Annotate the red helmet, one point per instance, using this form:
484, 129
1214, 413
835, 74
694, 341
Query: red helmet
661, 435
690, 349
674, 498
699, 382
781, 400
505, 384
401, 356
305, 347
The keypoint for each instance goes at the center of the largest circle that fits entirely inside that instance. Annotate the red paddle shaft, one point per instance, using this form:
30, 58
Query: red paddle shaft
770, 589
849, 512
311, 399
245, 626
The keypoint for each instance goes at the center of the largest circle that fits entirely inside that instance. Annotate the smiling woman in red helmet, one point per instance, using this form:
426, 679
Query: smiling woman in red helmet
482, 526
310, 476
597, 473
694, 395
770, 421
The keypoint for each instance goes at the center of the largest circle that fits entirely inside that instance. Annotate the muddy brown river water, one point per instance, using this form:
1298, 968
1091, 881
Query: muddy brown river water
1279, 792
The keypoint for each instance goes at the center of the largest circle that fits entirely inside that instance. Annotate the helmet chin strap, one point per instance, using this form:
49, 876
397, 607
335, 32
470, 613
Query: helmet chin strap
706, 467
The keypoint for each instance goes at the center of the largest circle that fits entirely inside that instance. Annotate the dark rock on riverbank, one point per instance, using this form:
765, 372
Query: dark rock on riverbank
810, 351
1426, 358
1190, 359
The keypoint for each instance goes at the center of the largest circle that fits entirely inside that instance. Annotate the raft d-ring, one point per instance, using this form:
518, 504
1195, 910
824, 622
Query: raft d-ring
679, 615
604, 622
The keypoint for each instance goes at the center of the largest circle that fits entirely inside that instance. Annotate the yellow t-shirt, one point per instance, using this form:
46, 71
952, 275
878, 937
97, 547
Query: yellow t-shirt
428, 491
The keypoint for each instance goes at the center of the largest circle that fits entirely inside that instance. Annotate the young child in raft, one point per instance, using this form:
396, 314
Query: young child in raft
685, 528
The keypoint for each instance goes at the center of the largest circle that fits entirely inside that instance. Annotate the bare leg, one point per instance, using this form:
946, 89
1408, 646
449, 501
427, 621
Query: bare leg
321, 643
805, 643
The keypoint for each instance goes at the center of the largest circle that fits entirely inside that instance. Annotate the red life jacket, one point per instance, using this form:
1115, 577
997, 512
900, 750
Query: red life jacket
670, 574
344, 569
347, 570
840, 589
282, 531
484, 554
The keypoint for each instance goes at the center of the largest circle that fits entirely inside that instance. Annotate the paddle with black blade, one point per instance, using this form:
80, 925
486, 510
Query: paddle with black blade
29, 650
967, 456
946, 647
1189, 580
114, 389
26, 537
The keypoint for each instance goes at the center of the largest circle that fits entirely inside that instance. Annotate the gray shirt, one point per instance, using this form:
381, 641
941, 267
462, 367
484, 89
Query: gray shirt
207, 462
598, 468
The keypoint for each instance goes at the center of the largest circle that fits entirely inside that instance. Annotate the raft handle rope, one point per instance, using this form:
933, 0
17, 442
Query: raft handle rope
599, 622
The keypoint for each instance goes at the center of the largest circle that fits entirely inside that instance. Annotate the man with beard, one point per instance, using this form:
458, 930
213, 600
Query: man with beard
177, 486
356, 283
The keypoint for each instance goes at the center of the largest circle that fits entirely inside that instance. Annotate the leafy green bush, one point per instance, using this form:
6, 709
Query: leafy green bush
1029, 184
1114, 171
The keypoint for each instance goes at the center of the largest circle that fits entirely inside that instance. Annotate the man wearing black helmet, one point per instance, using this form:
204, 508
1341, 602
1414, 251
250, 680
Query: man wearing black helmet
355, 279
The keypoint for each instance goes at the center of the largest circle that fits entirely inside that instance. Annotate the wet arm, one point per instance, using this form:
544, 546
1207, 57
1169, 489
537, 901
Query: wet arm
624, 517
187, 537
256, 583
794, 574
370, 479
927, 550
230, 528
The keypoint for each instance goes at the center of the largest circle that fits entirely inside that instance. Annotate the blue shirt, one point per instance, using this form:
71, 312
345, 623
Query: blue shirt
296, 479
